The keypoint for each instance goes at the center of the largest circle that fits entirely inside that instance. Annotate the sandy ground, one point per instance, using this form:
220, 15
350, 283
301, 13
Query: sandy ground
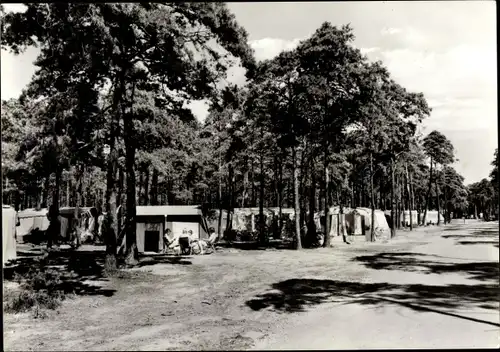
431, 288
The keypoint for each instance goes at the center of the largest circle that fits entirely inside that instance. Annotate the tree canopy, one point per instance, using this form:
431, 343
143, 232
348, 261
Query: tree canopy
105, 122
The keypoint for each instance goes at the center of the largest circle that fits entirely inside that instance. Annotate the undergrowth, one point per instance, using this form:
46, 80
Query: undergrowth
39, 290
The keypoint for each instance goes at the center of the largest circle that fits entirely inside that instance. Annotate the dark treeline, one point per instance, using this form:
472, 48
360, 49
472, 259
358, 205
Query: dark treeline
104, 121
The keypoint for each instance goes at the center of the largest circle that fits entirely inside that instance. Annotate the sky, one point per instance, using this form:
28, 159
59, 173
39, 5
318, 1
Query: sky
444, 49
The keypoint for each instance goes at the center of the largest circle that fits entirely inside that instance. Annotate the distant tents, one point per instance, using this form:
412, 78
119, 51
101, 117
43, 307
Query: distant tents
247, 219
404, 217
352, 222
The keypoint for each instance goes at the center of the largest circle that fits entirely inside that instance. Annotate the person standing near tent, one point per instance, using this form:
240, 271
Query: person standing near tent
54, 225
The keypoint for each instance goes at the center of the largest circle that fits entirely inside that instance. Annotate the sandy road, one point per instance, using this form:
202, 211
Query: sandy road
426, 312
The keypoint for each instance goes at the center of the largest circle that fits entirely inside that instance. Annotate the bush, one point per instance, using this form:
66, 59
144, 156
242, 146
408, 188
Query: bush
40, 290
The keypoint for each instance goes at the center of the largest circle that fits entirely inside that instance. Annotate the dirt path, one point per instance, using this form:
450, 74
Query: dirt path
447, 297
363, 295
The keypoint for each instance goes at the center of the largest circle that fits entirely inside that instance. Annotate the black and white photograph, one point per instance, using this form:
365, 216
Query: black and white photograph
249, 175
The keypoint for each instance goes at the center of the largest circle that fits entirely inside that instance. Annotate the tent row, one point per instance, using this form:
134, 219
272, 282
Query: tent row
350, 222
152, 222
404, 217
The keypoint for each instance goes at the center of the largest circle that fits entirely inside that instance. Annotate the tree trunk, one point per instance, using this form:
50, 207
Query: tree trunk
276, 184
129, 139
311, 233
438, 201
68, 193
219, 196
262, 233
302, 198
253, 184
426, 202
393, 203
446, 207
45, 192
372, 201
154, 188
245, 187
55, 202
75, 226
110, 221
353, 196
230, 198
280, 198
146, 186
53, 213
119, 202
410, 196
404, 186
139, 196
328, 224
295, 169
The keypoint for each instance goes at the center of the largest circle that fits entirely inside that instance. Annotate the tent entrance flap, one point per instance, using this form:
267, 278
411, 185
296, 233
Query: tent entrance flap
149, 233
151, 240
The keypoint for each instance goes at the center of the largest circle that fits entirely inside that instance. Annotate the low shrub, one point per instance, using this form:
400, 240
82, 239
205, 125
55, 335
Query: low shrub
39, 290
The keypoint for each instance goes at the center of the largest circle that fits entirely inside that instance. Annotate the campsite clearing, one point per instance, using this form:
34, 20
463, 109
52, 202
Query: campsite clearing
434, 287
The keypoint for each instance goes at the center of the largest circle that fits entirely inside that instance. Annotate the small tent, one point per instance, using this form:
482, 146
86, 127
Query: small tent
9, 220
337, 221
405, 218
153, 220
432, 217
246, 219
355, 223
32, 219
88, 220
382, 230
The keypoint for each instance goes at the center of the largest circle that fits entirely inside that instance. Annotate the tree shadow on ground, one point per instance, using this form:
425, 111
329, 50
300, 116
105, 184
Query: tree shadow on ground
423, 263
73, 270
255, 245
297, 295
164, 259
477, 242
477, 234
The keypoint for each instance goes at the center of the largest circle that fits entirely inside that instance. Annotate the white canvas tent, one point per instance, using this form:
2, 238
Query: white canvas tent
354, 223
405, 219
432, 217
152, 221
245, 219
382, 230
32, 219
9, 220
338, 226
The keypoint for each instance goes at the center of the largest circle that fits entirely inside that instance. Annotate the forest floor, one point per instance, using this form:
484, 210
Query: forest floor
436, 287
